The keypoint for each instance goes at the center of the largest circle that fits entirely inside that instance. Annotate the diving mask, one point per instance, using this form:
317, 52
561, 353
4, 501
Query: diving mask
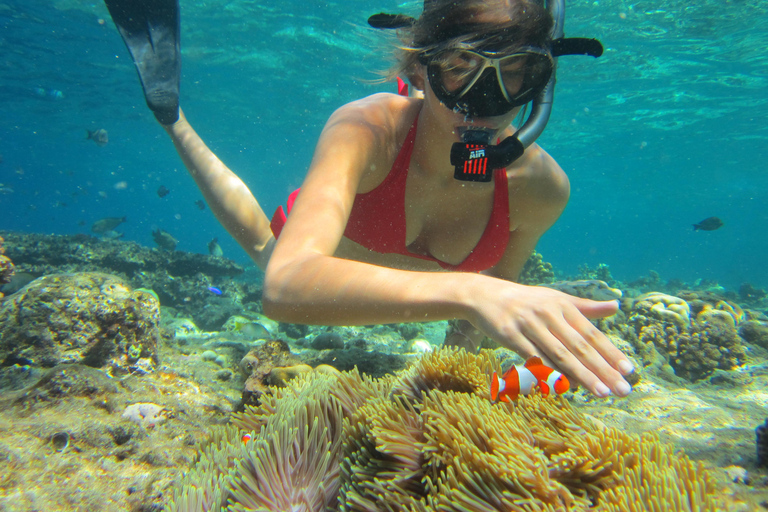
486, 84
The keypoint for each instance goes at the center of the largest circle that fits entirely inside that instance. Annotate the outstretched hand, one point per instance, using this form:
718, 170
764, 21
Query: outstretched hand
540, 321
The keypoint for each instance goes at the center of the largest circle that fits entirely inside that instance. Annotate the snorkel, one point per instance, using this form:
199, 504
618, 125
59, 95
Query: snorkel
475, 158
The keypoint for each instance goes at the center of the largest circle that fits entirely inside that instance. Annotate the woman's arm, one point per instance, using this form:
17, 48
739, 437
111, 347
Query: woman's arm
305, 283
226, 194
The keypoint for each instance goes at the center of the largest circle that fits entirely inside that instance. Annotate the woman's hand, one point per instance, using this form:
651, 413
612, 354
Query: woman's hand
534, 320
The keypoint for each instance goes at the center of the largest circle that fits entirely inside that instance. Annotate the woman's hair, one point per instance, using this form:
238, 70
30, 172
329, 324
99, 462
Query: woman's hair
499, 24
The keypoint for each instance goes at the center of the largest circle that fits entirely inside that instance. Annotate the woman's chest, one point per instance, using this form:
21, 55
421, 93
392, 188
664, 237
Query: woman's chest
446, 219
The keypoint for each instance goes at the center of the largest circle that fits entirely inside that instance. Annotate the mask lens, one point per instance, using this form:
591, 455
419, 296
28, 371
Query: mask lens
456, 69
523, 75
453, 73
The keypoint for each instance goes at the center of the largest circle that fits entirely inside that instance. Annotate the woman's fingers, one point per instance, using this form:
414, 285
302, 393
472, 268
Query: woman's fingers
567, 349
600, 342
596, 309
574, 345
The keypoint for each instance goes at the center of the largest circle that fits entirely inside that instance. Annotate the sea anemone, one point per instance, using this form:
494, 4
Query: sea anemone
429, 440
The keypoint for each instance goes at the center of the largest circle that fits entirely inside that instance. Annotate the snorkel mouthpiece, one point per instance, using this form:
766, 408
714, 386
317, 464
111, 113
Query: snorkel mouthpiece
474, 159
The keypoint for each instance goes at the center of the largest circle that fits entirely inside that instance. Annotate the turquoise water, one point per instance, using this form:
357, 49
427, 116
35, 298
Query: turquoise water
664, 130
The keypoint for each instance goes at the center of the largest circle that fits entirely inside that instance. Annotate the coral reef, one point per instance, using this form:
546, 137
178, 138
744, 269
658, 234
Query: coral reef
257, 365
179, 279
536, 271
90, 318
755, 332
693, 349
429, 439
589, 289
6, 266
761, 441
664, 307
600, 273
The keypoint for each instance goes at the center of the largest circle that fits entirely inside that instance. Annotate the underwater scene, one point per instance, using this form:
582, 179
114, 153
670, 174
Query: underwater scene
140, 369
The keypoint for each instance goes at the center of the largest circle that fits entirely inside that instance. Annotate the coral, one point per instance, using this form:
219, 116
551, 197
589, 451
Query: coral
429, 442
536, 271
751, 295
663, 307
592, 289
88, 317
755, 332
6, 267
179, 279
723, 311
600, 273
707, 347
281, 375
257, 364
694, 353
650, 282
147, 415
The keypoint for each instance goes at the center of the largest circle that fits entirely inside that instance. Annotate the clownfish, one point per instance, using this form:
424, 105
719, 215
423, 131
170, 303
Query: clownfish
246, 438
522, 379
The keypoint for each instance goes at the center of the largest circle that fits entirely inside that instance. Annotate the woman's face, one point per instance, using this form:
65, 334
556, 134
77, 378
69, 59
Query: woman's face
454, 124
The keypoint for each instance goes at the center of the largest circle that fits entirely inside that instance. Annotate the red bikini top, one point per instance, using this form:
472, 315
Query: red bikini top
377, 220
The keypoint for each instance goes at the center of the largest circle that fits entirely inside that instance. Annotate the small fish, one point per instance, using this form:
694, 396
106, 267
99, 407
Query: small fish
522, 379
708, 224
162, 191
164, 239
214, 248
246, 438
100, 136
5, 190
214, 290
200, 204
107, 224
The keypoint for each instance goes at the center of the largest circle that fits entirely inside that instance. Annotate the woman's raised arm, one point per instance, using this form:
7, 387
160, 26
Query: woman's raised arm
229, 198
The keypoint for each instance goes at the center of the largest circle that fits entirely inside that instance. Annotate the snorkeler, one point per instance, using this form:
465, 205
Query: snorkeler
389, 226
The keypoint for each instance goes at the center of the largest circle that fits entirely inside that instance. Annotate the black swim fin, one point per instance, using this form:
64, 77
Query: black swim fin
150, 29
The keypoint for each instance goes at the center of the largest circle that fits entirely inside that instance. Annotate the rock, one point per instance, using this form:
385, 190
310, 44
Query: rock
279, 376
737, 474
294, 331
258, 363
420, 346
328, 340
209, 355
755, 332
64, 382
6, 267
147, 415
90, 318
372, 363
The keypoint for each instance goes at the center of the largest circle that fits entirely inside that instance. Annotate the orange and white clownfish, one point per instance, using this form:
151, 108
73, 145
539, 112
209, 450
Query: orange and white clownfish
522, 379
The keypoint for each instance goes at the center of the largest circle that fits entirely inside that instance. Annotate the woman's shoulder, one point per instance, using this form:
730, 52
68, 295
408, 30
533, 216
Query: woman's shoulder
388, 114
541, 176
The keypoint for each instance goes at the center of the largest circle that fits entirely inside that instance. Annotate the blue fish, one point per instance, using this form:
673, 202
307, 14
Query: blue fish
214, 290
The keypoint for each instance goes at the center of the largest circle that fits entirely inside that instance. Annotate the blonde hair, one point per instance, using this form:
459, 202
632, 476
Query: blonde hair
466, 23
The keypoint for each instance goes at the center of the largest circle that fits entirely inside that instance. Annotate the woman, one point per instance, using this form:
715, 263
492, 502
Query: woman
380, 217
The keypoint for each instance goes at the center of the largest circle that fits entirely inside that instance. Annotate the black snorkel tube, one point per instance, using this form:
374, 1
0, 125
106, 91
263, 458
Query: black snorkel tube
474, 159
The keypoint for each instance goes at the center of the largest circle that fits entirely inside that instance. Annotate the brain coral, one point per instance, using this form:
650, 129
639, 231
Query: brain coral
410, 443
694, 349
